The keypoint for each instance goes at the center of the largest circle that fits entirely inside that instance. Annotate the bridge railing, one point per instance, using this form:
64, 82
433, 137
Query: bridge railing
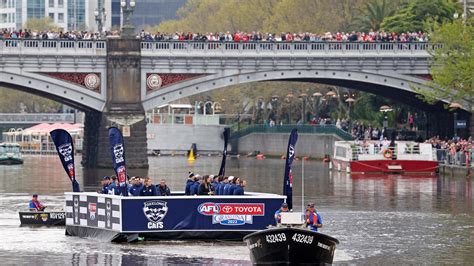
309, 129
57, 47
10, 118
303, 48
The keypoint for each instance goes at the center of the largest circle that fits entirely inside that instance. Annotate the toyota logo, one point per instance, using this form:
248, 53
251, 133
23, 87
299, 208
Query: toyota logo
227, 209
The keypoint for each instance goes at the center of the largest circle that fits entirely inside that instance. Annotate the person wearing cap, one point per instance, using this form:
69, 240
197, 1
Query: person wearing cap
189, 184
283, 208
313, 218
105, 182
136, 186
35, 205
228, 185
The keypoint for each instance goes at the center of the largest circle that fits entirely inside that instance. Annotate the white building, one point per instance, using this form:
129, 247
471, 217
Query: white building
69, 15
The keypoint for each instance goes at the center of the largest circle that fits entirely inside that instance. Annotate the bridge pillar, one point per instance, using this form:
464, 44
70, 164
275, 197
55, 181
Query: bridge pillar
123, 109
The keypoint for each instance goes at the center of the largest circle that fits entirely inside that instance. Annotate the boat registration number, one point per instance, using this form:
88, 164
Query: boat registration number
276, 238
302, 238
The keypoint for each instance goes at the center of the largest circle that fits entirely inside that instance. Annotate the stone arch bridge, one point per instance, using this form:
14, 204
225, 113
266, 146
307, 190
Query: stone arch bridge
115, 80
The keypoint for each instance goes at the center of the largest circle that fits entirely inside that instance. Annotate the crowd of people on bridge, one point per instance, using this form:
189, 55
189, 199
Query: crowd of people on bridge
238, 36
55, 35
195, 185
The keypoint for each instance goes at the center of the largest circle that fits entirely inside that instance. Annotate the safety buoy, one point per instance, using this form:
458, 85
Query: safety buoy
387, 153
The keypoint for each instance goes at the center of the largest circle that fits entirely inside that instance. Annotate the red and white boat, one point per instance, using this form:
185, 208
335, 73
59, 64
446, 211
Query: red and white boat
377, 157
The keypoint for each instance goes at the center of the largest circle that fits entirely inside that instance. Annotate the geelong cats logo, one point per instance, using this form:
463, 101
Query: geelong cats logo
66, 151
155, 211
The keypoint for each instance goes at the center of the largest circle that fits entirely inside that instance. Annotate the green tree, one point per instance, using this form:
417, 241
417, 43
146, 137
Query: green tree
40, 24
17, 101
413, 16
374, 14
452, 67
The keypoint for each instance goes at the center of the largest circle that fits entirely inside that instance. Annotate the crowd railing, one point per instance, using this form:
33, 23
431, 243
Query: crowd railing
458, 158
286, 47
99, 47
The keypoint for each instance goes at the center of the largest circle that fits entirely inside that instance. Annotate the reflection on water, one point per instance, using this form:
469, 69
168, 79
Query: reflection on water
378, 219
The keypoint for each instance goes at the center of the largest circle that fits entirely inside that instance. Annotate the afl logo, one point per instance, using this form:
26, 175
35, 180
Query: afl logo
209, 208
92, 81
154, 82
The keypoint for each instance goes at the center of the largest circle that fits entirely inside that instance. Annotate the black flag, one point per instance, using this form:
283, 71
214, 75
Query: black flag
288, 181
224, 153
118, 158
63, 142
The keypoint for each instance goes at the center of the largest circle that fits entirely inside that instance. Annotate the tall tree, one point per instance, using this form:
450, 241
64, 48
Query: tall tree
41, 24
452, 67
413, 16
374, 14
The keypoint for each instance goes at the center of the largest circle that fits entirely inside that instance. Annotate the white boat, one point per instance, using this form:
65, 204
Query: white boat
364, 157
10, 153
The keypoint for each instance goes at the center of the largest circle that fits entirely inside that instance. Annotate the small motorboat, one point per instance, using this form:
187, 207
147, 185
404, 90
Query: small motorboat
10, 153
290, 243
50, 218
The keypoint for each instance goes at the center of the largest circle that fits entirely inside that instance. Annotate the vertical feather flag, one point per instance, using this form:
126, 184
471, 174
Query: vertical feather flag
224, 153
118, 158
65, 148
288, 180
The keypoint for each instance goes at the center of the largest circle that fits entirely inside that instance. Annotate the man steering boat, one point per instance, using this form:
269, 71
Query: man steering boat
35, 205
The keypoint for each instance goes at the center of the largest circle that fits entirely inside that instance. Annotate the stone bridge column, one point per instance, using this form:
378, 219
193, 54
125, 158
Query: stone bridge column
123, 109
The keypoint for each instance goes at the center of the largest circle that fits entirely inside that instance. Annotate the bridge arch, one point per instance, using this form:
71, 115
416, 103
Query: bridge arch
48, 87
384, 83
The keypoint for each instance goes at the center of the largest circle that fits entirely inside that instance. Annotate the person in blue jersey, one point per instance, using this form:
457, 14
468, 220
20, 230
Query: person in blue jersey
105, 182
195, 186
239, 189
35, 205
283, 208
235, 184
163, 189
217, 189
228, 185
189, 184
136, 186
112, 187
215, 183
148, 188
313, 218
225, 181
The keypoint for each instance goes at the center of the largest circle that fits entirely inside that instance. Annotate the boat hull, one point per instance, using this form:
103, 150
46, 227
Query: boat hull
290, 246
387, 166
10, 161
42, 218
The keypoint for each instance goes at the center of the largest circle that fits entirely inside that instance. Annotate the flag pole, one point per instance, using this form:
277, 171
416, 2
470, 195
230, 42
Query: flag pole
302, 185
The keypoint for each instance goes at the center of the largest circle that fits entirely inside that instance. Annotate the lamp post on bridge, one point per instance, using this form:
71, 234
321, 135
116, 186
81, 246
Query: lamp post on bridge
128, 6
100, 17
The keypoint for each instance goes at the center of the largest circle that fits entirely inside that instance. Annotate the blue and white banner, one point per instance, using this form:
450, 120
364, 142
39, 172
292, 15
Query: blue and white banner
288, 181
65, 148
117, 149
224, 153
156, 214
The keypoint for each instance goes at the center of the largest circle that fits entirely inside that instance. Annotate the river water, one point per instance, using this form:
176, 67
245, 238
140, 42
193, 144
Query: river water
378, 219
